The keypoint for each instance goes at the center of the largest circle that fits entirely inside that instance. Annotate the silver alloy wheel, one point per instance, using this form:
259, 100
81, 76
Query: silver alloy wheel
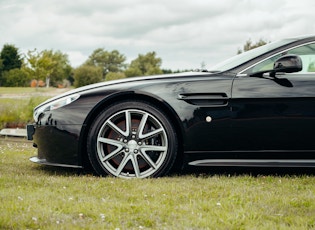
132, 143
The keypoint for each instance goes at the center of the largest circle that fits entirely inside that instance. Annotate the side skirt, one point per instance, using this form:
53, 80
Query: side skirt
255, 162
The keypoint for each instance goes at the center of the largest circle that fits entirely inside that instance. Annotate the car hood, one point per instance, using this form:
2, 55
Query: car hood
125, 80
134, 79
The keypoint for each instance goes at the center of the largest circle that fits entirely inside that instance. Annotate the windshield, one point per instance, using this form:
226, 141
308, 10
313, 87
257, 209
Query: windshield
248, 55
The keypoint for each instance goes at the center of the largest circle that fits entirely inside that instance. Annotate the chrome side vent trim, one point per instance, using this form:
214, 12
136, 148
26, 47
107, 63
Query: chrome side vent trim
205, 99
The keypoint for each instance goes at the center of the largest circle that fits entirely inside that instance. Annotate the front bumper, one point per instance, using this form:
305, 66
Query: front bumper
56, 145
36, 160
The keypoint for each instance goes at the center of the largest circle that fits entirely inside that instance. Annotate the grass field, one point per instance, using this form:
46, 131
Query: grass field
22, 90
17, 104
18, 112
29, 90
37, 197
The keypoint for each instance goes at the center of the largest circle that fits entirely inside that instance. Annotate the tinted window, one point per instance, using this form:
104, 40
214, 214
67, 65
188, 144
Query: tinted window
306, 52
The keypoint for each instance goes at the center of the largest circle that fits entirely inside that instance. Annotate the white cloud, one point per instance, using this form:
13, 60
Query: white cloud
184, 33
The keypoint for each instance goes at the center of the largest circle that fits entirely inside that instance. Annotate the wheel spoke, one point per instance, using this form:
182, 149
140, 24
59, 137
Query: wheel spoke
114, 153
153, 148
148, 159
125, 160
109, 141
142, 125
135, 165
151, 134
117, 129
122, 165
128, 122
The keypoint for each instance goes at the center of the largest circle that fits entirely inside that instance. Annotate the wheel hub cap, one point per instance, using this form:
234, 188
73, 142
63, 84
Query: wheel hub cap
132, 146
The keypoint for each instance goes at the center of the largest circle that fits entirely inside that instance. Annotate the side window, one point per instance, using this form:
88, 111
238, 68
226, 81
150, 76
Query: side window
265, 65
306, 52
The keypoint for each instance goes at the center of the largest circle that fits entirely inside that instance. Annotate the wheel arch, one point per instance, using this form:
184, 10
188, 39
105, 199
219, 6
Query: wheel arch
123, 96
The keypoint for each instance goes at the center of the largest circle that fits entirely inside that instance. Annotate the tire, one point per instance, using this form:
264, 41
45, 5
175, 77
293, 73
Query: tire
132, 139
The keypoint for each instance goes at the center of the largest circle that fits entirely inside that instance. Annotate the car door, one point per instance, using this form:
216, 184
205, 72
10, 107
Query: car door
276, 114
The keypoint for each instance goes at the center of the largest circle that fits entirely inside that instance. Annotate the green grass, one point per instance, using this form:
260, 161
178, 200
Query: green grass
37, 197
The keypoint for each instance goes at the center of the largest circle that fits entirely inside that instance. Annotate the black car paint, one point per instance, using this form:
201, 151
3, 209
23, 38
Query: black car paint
67, 124
250, 117
276, 117
248, 124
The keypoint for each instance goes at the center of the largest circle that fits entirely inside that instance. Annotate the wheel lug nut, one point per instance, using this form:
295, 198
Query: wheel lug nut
133, 136
135, 151
125, 141
139, 143
127, 150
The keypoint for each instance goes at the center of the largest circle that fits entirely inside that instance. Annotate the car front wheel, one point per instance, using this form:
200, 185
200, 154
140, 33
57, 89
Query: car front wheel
132, 139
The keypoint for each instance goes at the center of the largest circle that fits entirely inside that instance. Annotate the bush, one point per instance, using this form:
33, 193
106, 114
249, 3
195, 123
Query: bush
15, 78
85, 75
114, 76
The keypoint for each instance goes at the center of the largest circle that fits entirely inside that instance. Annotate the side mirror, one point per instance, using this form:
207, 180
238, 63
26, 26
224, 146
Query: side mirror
288, 64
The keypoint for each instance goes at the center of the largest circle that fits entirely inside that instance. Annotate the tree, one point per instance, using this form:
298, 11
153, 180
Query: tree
51, 66
147, 64
167, 71
250, 45
86, 74
57, 65
10, 58
1, 74
33, 65
109, 61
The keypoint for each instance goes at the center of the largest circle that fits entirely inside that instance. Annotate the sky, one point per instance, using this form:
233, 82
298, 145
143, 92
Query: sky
185, 34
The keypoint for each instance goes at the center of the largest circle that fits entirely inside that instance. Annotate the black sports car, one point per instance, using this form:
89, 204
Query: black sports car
255, 109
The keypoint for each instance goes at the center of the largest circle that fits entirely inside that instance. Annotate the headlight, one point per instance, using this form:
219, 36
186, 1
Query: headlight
54, 105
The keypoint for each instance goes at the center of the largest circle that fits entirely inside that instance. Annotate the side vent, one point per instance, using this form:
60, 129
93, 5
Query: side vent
205, 99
